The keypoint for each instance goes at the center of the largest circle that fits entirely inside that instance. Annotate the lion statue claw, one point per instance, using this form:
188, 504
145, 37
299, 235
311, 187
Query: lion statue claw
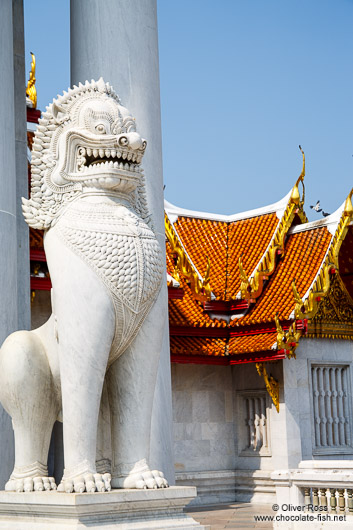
97, 355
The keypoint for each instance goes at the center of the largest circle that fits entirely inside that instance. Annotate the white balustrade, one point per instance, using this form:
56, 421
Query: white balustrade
330, 406
256, 422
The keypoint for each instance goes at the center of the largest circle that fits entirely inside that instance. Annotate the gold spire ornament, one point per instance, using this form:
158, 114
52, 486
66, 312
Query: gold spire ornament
31, 91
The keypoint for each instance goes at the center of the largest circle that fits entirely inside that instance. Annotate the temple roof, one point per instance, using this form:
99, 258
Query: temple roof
246, 287
291, 264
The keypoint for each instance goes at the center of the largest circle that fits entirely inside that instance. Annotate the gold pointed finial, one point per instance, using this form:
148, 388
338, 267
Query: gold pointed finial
295, 193
31, 91
302, 174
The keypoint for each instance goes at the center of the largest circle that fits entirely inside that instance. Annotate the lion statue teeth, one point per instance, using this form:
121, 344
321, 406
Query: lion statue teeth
97, 356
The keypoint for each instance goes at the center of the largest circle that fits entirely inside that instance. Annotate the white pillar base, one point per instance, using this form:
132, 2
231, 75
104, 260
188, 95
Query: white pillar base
119, 509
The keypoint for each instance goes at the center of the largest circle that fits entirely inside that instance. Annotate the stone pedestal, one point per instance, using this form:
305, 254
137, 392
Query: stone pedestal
119, 509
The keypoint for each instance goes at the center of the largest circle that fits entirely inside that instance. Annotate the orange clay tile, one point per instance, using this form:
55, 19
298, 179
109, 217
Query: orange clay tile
251, 343
188, 312
224, 243
221, 347
248, 238
303, 256
197, 346
202, 238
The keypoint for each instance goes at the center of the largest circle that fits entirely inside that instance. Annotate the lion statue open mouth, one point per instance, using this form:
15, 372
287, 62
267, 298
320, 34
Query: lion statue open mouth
94, 363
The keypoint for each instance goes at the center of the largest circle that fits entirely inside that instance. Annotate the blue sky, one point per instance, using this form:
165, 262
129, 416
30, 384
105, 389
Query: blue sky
243, 82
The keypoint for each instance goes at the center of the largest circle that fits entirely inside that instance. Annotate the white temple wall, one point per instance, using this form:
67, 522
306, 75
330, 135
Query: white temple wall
212, 438
203, 414
324, 367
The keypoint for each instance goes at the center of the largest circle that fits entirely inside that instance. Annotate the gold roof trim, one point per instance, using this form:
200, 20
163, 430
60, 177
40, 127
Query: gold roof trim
31, 90
309, 307
183, 265
251, 288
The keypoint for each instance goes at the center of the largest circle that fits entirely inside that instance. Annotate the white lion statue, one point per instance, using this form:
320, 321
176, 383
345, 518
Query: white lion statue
103, 339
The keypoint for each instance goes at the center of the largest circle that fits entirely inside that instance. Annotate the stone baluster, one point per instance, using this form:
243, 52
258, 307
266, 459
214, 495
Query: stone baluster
258, 437
263, 422
316, 408
347, 435
323, 497
333, 500
340, 408
251, 423
328, 395
323, 419
341, 500
350, 500
333, 374
307, 496
315, 496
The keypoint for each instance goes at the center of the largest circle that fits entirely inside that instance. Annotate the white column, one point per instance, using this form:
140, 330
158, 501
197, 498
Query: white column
118, 39
8, 236
23, 269
285, 425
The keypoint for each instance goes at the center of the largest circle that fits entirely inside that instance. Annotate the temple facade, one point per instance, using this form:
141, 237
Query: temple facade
261, 329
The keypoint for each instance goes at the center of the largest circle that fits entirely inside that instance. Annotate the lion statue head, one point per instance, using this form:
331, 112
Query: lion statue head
86, 142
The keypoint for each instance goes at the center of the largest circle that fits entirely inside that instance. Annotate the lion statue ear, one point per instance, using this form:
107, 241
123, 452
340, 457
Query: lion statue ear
59, 114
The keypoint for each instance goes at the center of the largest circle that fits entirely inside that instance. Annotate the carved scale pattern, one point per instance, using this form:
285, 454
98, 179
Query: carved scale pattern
124, 253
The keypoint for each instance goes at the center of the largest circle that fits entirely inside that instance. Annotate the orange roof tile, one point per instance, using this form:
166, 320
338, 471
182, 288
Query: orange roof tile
188, 312
197, 346
248, 238
221, 346
224, 243
202, 238
304, 254
251, 343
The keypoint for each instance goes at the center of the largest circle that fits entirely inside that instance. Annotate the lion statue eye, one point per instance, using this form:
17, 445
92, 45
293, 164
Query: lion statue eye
100, 128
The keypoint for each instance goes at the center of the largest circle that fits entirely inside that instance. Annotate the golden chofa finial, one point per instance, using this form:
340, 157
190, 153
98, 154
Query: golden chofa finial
31, 91
302, 174
295, 193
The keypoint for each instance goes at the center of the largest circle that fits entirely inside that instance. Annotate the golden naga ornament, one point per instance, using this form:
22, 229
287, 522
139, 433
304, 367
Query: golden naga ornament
272, 385
289, 340
31, 91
